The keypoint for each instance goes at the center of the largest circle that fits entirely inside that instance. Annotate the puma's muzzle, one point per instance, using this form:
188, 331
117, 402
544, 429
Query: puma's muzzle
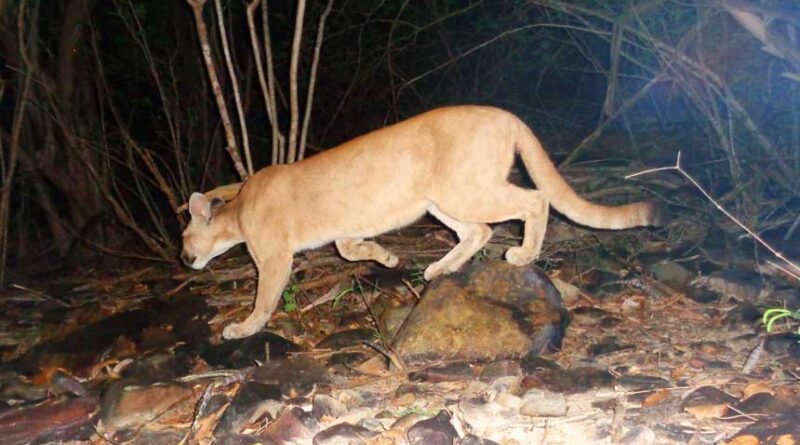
187, 259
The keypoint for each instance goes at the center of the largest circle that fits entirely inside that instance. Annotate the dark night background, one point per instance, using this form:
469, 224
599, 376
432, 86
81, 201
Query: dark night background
109, 120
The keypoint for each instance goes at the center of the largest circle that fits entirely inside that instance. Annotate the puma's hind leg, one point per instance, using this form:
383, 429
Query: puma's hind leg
503, 203
356, 249
471, 238
535, 227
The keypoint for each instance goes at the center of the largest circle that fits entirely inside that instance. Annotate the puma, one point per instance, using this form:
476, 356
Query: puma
451, 162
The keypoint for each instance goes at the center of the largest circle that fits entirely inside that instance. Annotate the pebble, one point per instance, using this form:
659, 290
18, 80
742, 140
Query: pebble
540, 403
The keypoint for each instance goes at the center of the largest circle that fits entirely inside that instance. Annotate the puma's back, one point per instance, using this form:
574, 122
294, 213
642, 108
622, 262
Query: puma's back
456, 158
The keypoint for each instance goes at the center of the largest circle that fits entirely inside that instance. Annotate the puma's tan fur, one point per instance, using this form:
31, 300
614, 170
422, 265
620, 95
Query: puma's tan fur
450, 162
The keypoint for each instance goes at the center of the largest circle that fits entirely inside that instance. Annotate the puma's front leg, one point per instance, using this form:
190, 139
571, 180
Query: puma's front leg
273, 274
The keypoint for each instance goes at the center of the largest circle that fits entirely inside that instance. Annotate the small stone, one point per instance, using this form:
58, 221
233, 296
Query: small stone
484, 417
434, 431
326, 406
343, 434
540, 403
509, 384
639, 435
293, 425
250, 402
373, 424
129, 406
353, 398
507, 400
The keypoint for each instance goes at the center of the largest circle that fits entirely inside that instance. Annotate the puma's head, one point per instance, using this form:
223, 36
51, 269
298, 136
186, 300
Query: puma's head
208, 234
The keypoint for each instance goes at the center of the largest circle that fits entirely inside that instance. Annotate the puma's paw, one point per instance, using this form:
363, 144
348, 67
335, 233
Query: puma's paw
433, 271
390, 261
518, 256
237, 330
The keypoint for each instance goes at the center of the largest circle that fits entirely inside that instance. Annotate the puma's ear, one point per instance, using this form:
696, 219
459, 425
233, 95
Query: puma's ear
217, 202
199, 207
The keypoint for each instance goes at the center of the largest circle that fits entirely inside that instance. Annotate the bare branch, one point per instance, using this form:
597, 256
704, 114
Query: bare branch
677, 167
202, 36
293, 124
234, 86
313, 81
278, 148
269, 99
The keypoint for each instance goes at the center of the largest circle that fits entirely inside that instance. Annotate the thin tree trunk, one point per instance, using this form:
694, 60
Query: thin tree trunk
234, 86
16, 131
312, 82
278, 141
266, 89
202, 36
298, 37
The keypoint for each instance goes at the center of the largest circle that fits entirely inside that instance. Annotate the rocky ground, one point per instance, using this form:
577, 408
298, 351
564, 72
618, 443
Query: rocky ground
660, 336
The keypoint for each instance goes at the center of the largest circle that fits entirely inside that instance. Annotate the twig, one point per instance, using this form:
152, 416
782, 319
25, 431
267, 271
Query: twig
485, 44
411, 288
298, 36
329, 296
40, 294
625, 106
677, 167
333, 279
203, 402
237, 98
312, 81
205, 46
266, 89
753, 357
278, 148
394, 358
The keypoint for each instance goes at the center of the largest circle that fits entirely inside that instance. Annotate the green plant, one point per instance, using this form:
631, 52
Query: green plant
338, 298
415, 410
772, 315
418, 277
289, 300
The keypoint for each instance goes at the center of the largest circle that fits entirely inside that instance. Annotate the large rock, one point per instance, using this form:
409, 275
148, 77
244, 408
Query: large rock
491, 310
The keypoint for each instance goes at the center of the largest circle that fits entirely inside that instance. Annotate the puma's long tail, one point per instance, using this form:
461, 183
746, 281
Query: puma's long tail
564, 199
